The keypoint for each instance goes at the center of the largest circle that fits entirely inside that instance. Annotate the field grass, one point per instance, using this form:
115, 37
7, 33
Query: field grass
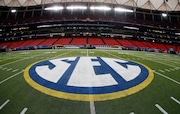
164, 87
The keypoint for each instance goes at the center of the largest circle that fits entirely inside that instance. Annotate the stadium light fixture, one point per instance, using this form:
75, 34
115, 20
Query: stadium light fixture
119, 9
164, 14
101, 8
13, 10
55, 8
76, 7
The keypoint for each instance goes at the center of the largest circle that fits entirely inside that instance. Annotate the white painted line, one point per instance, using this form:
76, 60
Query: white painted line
161, 70
87, 53
167, 70
15, 70
5, 103
4, 68
172, 69
10, 77
21, 60
161, 109
9, 69
175, 100
167, 77
24, 111
92, 108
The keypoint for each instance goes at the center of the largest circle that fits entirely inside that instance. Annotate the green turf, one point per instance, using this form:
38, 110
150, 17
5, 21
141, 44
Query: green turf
22, 95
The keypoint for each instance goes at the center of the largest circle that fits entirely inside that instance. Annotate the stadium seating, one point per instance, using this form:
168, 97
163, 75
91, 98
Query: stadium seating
111, 42
63, 41
48, 41
95, 41
78, 41
125, 42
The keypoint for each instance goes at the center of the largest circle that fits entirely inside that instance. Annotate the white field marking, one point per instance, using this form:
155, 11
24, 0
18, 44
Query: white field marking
9, 69
167, 70
24, 53
5, 103
131, 113
21, 60
161, 70
161, 109
61, 54
167, 78
172, 69
15, 70
87, 53
10, 77
155, 61
24, 111
92, 108
114, 55
175, 100
4, 68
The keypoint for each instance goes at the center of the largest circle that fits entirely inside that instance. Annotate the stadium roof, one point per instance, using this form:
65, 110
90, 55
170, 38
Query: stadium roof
162, 5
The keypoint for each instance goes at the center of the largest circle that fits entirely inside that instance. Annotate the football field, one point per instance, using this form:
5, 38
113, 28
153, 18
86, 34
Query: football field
160, 96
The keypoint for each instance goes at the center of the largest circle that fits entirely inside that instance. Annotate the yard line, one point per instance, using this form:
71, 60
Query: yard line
87, 53
167, 70
161, 70
4, 68
167, 77
175, 100
21, 60
155, 61
24, 111
92, 108
9, 69
5, 103
10, 77
161, 109
172, 69
15, 70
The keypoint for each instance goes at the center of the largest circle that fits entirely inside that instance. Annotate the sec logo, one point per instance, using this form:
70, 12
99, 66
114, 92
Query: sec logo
88, 78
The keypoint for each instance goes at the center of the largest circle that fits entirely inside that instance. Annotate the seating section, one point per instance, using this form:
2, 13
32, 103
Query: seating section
48, 41
111, 41
159, 46
91, 40
15, 44
63, 41
125, 42
78, 41
95, 41
36, 42
6, 44
138, 43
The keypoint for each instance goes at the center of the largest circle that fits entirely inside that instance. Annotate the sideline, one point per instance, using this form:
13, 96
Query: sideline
11, 77
167, 78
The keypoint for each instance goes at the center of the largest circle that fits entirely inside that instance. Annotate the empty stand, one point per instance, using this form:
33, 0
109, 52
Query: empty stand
95, 41
78, 41
36, 42
48, 41
125, 42
111, 41
63, 41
